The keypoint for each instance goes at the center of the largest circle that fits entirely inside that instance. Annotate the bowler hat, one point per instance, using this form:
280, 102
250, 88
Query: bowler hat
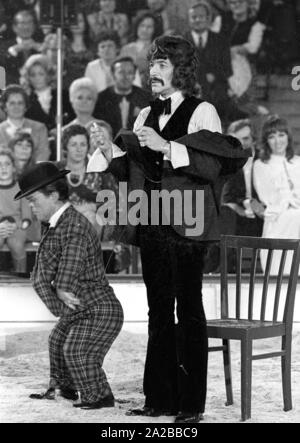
37, 177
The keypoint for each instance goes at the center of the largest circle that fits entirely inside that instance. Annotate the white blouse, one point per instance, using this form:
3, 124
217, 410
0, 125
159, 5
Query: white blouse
277, 183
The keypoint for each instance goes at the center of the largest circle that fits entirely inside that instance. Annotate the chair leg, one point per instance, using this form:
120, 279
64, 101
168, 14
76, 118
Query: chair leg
286, 373
227, 371
246, 378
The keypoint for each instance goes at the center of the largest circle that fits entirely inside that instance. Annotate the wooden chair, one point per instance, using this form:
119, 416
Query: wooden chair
234, 325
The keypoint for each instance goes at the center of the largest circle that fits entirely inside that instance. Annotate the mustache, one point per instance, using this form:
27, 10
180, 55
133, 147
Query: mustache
158, 80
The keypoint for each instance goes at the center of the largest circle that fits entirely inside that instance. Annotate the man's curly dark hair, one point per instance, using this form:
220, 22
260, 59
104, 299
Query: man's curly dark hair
182, 55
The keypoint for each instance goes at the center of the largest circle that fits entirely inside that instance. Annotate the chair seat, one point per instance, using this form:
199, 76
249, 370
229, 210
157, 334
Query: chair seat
237, 329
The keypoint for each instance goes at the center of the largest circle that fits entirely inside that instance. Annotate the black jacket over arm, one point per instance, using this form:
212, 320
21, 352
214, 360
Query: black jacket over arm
213, 157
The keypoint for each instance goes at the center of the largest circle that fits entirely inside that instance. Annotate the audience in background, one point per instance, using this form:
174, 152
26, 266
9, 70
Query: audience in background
3, 20
144, 32
99, 71
22, 148
120, 104
241, 211
214, 61
79, 50
14, 53
235, 40
83, 187
91, 11
277, 182
83, 97
110, 20
245, 35
37, 79
50, 50
160, 11
15, 217
14, 101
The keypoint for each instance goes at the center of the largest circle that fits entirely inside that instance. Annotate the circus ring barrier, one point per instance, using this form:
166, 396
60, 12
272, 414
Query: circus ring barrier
20, 304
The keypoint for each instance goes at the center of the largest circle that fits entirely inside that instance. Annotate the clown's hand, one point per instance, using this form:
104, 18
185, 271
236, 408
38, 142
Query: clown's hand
68, 299
148, 137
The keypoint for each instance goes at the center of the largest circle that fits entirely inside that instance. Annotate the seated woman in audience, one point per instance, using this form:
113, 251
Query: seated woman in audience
91, 11
79, 50
14, 103
110, 20
99, 71
276, 178
245, 35
22, 148
83, 97
49, 49
38, 80
145, 31
15, 216
83, 186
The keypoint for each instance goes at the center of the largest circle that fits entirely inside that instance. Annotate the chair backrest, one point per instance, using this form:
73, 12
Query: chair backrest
256, 244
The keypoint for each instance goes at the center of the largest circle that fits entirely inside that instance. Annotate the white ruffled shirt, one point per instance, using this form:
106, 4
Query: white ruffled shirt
277, 183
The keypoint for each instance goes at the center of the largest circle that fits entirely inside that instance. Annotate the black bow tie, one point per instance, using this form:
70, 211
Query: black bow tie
120, 97
159, 106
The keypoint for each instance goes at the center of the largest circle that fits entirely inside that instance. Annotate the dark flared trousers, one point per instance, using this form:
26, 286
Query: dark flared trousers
176, 363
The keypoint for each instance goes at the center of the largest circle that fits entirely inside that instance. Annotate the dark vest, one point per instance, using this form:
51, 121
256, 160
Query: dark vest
176, 127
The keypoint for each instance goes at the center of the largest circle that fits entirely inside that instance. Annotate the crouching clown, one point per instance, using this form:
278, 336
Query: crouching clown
69, 277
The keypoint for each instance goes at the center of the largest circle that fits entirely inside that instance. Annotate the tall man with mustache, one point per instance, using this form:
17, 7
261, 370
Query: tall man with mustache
176, 145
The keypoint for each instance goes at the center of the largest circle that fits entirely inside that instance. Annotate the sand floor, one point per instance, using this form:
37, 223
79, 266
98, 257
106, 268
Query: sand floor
24, 368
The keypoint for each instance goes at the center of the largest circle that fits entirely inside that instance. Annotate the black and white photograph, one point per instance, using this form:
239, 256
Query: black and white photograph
149, 214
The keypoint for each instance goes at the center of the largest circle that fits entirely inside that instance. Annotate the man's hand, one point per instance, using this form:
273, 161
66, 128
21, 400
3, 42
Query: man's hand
211, 78
3, 230
148, 137
11, 228
7, 229
68, 299
98, 140
26, 45
257, 207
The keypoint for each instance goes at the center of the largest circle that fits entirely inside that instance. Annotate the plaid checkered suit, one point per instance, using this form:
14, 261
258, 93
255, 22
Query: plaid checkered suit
70, 259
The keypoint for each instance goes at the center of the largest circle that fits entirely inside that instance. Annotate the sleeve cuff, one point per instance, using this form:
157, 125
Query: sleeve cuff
12, 51
117, 152
179, 155
98, 162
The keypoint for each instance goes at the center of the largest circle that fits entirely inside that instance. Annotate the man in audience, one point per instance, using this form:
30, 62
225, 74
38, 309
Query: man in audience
241, 211
14, 53
119, 105
15, 217
159, 9
214, 67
